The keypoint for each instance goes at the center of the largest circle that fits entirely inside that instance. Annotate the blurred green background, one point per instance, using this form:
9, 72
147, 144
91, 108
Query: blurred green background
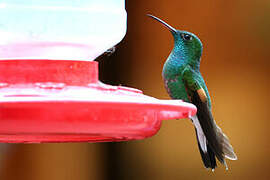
235, 65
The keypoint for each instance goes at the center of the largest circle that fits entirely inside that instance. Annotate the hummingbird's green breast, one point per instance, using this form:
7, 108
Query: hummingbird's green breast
173, 78
174, 84
176, 89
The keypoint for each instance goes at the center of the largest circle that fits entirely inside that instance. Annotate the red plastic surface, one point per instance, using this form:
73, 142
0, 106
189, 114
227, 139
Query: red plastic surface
63, 101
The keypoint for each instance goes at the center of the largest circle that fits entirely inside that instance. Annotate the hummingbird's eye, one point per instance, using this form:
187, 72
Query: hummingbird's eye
186, 37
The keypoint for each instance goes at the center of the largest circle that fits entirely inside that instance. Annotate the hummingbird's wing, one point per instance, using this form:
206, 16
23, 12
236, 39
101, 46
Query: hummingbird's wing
217, 143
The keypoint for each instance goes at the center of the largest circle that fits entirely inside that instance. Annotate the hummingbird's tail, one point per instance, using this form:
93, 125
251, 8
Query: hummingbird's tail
216, 145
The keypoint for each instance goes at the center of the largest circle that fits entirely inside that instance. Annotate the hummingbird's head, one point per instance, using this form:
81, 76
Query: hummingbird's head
185, 42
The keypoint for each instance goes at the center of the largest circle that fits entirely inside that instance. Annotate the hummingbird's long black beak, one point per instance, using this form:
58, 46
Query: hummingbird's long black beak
162, 22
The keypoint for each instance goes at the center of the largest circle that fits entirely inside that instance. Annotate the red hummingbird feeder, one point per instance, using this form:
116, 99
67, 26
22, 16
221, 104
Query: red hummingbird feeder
46, 99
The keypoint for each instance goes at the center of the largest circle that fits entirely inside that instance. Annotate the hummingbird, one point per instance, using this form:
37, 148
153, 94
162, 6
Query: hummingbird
183, 80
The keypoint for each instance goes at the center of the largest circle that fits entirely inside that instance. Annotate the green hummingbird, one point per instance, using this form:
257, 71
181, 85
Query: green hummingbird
183, 80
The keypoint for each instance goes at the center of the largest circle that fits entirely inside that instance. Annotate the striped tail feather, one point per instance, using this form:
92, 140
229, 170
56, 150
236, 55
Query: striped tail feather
208, 157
